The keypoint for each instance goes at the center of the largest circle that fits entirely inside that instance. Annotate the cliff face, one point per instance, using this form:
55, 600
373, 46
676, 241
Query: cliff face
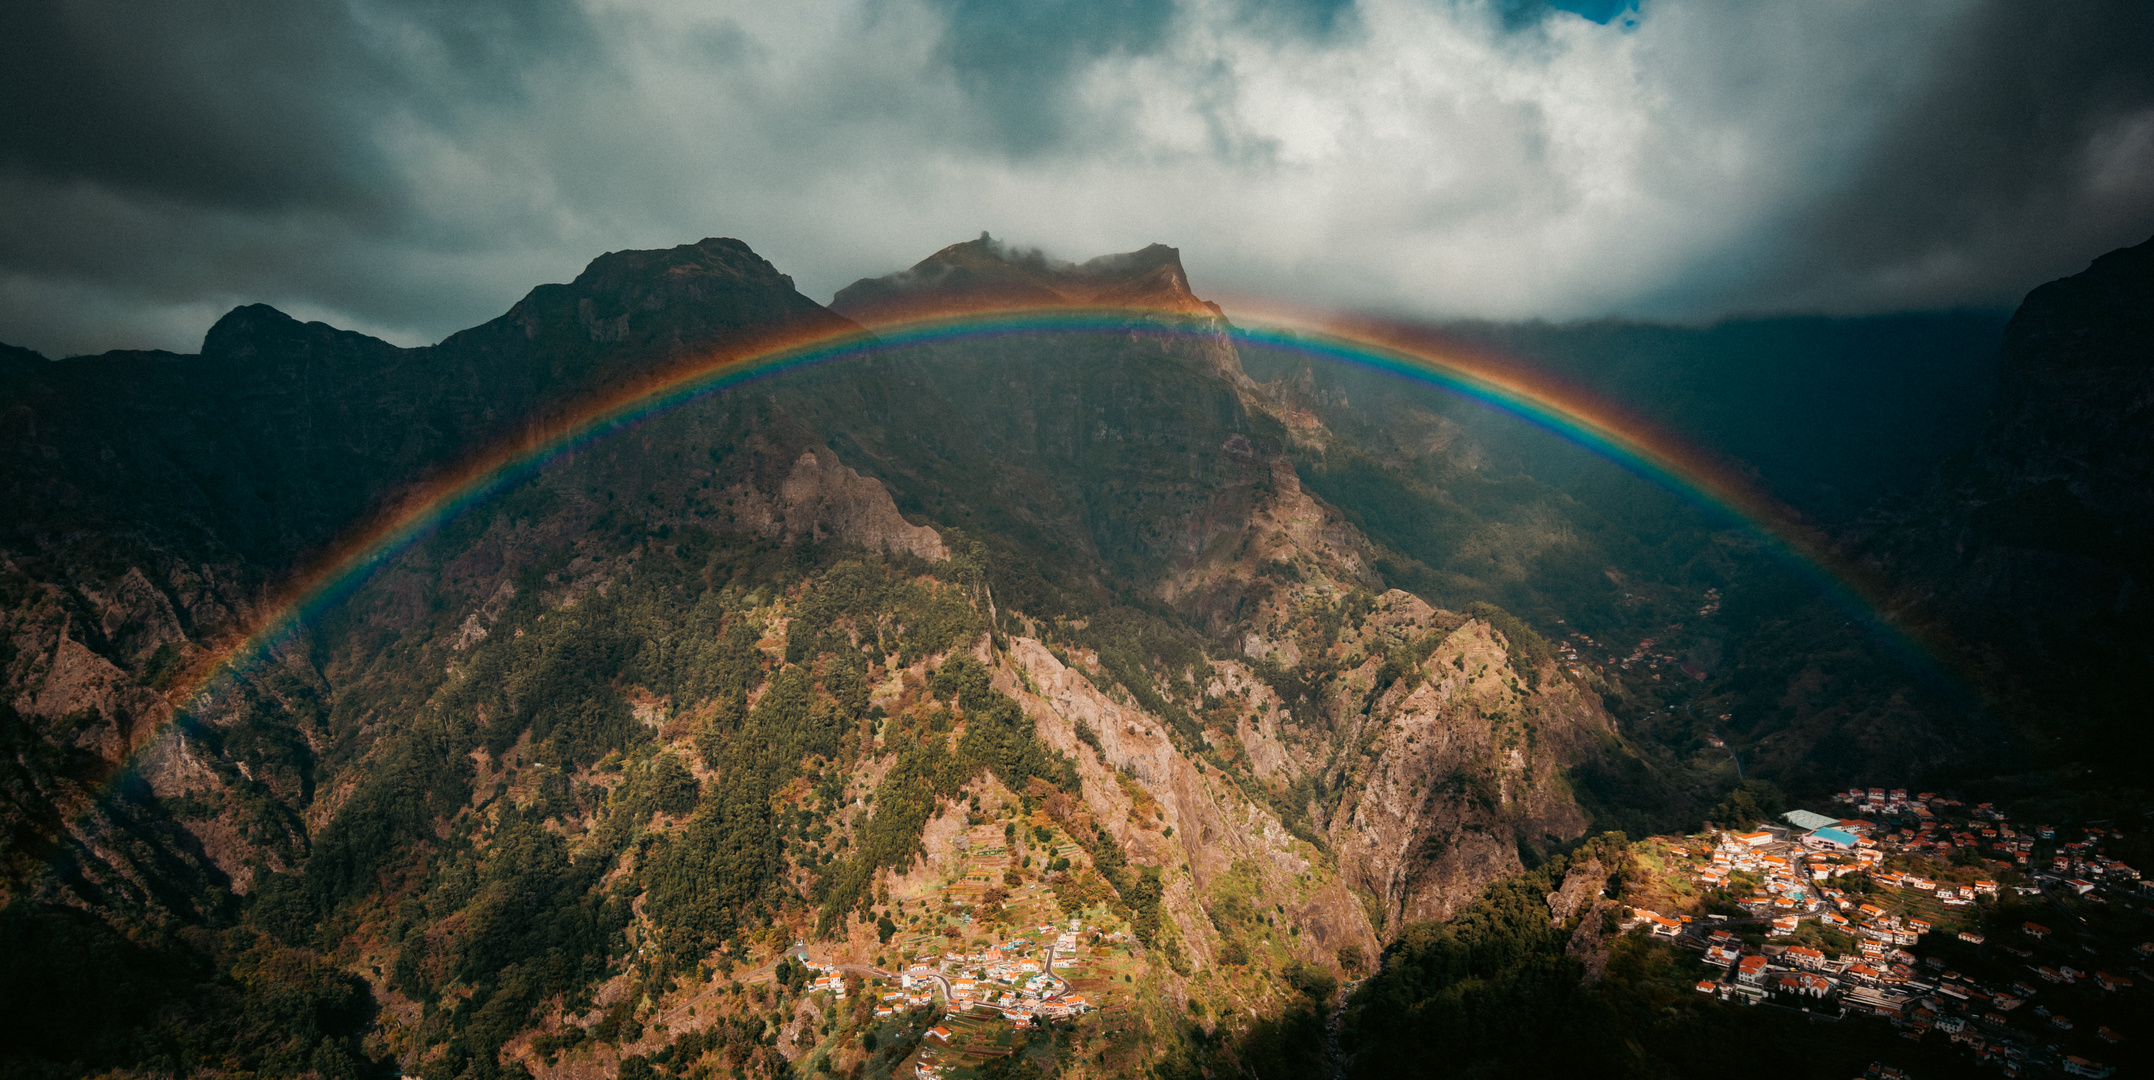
2037, 545
1207, 825
1463, 767
2074, 397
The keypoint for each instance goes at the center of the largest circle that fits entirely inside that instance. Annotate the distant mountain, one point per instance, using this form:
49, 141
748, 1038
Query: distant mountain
1832, 414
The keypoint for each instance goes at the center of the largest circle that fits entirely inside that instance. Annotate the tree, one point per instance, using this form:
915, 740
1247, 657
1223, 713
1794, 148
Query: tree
1752, 801
673, 788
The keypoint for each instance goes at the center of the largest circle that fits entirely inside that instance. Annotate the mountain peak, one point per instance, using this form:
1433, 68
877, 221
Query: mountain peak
661, 298
259, 331
690, 267
237, 332
986, 273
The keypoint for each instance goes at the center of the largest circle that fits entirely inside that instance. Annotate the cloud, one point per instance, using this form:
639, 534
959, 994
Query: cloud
411, 168
2030, 149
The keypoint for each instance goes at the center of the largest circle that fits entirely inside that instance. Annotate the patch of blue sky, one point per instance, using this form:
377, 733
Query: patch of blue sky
1624, 13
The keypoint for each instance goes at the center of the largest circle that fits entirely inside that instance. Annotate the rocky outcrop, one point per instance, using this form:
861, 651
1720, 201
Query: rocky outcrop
1589, 943
983, 274
1583, 882
822, 499
1465, 761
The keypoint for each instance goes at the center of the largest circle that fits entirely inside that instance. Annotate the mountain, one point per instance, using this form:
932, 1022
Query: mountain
2034, 543
1226, 674
648, 695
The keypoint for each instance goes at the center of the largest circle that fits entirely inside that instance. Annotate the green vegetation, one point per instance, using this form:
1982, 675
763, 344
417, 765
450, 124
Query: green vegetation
82, 998
998, 738
1751, 802
1150, 657
1527, 650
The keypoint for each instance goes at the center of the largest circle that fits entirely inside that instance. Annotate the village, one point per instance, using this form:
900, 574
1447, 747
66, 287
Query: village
1945, 920
1014, 981
1646, 657
977, 993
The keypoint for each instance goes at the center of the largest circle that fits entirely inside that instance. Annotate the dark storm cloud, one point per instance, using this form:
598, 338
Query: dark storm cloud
255, 105
174, 156
409, 167
242, 111
2029, 151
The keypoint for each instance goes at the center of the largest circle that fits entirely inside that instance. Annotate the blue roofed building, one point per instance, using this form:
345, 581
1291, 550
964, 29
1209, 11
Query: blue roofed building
1836, 839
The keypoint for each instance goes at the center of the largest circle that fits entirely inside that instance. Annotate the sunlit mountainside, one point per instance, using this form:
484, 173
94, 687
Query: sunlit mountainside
1095, 693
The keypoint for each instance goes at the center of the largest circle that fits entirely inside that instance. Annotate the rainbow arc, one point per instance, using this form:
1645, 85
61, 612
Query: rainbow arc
1591, 422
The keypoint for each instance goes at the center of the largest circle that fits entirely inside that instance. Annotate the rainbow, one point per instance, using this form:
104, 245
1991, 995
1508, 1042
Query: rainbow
1404, 351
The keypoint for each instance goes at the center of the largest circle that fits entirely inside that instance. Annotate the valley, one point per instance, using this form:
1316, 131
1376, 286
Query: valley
1082, 648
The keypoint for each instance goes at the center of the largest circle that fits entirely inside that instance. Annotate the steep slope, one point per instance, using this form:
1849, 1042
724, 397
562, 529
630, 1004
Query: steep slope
157, 501
1706, 646
2035, 545
552, 790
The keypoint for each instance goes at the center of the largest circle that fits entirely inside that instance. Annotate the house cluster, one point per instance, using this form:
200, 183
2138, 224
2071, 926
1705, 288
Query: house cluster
1796, 870
828, 979
911, 994
1918, 996
1645, 654
1787, 874
1568, 648
1879, 977
1015, 978
1927, 824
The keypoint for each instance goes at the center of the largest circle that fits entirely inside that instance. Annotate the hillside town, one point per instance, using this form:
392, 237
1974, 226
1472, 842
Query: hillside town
1024, 981
1945, 920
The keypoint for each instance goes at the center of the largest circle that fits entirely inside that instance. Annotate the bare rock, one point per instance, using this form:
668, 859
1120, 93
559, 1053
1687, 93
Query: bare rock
1589, 943
1584, 882
822, 498
1462, 762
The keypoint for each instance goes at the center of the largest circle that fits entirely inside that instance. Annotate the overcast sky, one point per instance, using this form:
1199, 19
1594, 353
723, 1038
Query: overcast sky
409, 167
